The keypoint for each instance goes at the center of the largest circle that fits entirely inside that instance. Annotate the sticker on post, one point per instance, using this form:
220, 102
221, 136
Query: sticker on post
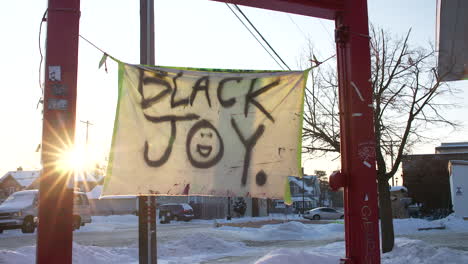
59, 89
57, 104
55, 73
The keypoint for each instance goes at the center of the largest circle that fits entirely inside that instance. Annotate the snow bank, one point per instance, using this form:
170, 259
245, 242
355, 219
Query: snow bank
418, 252
405, 251
110, 223
411, 225
201, 247
81, 255
198, 247
282, 256
288, 231
193, 248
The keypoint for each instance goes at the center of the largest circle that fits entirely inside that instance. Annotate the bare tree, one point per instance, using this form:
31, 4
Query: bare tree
406, 98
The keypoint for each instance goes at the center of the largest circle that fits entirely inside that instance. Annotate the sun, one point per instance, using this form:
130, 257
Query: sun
74, 159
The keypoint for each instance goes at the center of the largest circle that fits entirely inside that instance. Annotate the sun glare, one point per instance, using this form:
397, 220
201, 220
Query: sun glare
74, 159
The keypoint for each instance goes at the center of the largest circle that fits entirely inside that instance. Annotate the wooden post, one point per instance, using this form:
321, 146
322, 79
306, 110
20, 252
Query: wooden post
147, 239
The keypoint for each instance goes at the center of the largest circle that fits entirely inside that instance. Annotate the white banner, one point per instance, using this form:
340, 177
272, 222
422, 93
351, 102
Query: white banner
194, 132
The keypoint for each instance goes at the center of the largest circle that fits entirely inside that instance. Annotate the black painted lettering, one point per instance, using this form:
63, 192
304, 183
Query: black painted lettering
250, 97
183, 101
202, 84
249, 144
157, 79
167, 152
231, 101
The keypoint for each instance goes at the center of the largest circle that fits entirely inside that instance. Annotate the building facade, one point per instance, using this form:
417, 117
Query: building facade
427, 176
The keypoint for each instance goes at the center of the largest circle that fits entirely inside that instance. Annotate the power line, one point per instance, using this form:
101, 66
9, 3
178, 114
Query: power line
297, 26
258, 32
259, 42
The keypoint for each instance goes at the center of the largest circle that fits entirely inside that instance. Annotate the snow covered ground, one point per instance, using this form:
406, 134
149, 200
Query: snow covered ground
199, 241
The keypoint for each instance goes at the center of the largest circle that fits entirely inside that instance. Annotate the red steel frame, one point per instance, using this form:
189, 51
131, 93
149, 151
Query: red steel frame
358, 175
54, 237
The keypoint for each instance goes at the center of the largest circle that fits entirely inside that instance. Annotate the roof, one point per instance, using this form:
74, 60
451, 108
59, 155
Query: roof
398, 188
87, 177
299, 199
458, 162
454, 145
307, 187
28, 191
461, 147
96, 192
24, 178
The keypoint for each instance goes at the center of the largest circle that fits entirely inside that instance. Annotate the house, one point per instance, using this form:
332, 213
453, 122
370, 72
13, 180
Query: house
205, 207
455, 147
459, 186
18, 180
305, 192
86, 181
307, 186
400, 201
110, 205
426, 176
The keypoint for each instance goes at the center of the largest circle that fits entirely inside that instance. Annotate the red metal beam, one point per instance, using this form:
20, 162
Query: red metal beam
357, 134
358, 175
54, 238
326, 9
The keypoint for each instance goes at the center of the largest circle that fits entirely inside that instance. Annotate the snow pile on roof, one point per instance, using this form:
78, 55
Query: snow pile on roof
298, 181
398, 188
299, 199
24, 178
19, 200
87, 177
96, 192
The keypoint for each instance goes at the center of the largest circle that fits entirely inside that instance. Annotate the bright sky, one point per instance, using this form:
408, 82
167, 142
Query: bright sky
197, 33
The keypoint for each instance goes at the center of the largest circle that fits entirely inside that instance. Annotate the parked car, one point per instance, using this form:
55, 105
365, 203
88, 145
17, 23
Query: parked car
19, 211
178, 211
81, 210
323, 213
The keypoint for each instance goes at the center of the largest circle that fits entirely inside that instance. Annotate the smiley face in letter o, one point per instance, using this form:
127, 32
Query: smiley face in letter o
204, 145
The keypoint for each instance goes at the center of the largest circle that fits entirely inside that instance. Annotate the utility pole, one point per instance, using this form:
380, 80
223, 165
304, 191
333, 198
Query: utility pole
389, 143
54, 236
229, 217
87, 127
85, 175
303, 190
147, 243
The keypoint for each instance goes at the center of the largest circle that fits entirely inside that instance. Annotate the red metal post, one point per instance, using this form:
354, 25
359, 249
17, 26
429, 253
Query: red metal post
358, 175
357, 134
54, 239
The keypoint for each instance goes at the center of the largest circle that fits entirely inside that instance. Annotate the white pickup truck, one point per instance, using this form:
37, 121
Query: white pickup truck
19, 211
